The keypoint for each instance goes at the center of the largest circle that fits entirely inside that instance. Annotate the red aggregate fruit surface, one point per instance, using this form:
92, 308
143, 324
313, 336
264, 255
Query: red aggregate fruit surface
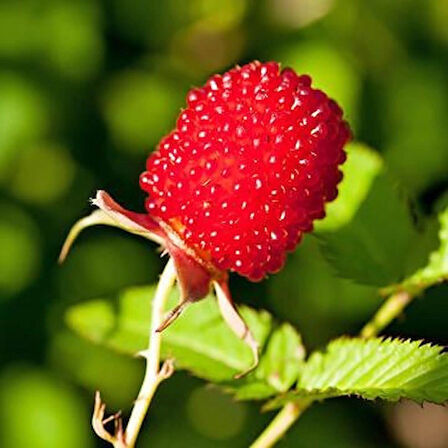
251, 163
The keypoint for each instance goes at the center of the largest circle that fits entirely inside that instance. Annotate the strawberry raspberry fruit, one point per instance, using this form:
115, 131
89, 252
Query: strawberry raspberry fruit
250, 165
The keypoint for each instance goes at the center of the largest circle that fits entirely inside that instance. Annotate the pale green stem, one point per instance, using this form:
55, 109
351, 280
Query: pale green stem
391, 309
153, 374
281, 423
289, 414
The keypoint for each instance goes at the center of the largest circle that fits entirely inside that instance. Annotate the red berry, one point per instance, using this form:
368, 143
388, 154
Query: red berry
250, 165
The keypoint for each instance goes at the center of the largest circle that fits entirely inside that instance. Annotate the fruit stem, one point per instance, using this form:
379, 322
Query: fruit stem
154, 374
390, 309
281, 423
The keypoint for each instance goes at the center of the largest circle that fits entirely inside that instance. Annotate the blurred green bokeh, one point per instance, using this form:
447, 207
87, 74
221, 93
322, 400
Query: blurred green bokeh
87, 89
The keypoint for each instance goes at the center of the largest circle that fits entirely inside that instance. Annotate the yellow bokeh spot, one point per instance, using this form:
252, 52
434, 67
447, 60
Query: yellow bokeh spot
42, 174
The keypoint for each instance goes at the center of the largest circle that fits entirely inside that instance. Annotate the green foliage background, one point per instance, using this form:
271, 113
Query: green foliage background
88, 87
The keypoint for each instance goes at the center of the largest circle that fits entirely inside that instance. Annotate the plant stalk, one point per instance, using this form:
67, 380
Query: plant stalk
289, 414
153, 374
281, 423
390, 310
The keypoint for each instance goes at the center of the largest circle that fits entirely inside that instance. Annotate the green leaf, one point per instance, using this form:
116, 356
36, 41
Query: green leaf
281, 362
199, 340
360, 169
437, 268
374, 248
278, 369
389, 369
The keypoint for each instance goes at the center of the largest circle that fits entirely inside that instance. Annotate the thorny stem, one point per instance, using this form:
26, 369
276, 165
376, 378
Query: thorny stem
154, 374
289, 414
